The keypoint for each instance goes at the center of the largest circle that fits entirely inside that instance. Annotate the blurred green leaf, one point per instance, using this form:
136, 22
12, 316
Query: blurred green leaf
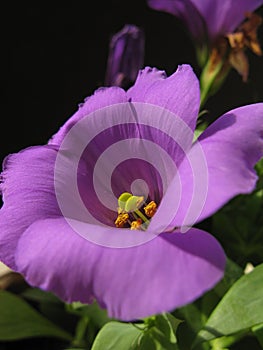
239, 227
93, 311
241, 308
38, 295
258, 331
91, 319
259, 168
51, 307
18, 320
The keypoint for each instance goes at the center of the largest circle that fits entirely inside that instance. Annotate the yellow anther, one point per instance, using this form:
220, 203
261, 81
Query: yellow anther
136, 225
150, 209
121, 220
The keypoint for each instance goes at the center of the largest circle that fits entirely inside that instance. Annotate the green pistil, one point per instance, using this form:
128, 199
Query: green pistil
133, 204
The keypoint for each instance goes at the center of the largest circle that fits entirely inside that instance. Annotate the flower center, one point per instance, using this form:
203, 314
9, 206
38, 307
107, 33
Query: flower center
134, 212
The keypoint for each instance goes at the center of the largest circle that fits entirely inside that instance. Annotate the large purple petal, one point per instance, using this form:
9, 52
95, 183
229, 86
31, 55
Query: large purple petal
231, 147
178, 93
28, 195
125, 147
165, 273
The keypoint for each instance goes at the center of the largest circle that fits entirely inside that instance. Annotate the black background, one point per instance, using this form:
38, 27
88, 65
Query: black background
55, 56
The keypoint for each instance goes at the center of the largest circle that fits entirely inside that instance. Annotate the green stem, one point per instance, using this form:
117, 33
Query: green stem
81, 332
202, 52
226, 341
207, 80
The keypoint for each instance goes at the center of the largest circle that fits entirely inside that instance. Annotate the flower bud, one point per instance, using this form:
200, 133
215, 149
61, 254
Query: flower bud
126, 56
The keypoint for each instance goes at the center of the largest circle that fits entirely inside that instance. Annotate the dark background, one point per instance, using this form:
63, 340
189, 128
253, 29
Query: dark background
56, 56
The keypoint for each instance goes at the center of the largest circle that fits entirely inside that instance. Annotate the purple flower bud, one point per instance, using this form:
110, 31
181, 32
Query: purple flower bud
126, 56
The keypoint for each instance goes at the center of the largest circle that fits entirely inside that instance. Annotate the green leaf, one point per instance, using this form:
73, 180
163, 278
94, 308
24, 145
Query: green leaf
118, 336
156, 333
173, 322
18, 320
241, 308
163, 331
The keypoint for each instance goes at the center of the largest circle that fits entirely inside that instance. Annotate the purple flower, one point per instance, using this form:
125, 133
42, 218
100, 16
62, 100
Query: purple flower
218, 32
58, 222
206, 19
126, 56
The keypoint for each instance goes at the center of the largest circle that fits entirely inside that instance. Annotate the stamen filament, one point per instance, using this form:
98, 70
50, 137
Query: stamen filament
143, 217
